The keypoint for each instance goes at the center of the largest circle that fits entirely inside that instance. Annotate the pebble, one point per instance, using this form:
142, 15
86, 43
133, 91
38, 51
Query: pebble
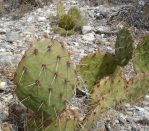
147, 97
41, 19
3, 85
86, 29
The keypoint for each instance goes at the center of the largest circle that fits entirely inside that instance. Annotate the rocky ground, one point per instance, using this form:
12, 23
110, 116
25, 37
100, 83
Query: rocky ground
99, 34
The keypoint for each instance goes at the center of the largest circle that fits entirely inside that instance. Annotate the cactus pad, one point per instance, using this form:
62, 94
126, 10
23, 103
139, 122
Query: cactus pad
141, 56
106, 93
95, 66
138, 88
45, 78
123, 47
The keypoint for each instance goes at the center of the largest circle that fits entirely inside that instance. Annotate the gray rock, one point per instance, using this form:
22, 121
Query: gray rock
86, 29
122, 119
89, 37
101, 126
105, 30
12, 36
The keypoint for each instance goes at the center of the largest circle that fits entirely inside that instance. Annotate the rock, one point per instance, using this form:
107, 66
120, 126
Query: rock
29, 19
3, 85
122, 119
127, 105
7, 127
89, 37
86, 29
2, 31
41, 19
105, 30
101, 126
12, 36
147, 97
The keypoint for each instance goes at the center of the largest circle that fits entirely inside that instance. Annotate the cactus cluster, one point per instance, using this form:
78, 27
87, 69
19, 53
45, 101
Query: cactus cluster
68, 22
112, 89
123, 47
45, 78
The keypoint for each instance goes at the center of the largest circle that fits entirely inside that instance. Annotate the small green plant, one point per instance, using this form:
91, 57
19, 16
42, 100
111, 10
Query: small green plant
67, 23
45, 78
123, 47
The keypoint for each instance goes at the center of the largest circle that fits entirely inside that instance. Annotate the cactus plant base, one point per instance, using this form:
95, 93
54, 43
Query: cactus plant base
63, 32
62, 124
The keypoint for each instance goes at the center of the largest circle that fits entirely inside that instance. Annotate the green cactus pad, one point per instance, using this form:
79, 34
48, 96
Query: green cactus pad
45, 78
95, 66
105, 94
138, 88
141, 56
123, 47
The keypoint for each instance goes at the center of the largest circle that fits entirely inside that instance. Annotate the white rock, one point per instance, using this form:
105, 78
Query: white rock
89, 37
86, 29
41, 19
147, 97
103, 29
29, 19
3, 85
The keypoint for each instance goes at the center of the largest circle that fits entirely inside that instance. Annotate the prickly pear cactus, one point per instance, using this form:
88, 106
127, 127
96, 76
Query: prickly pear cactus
45, 78
105, 94
123, 47
141, 56
95, 66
